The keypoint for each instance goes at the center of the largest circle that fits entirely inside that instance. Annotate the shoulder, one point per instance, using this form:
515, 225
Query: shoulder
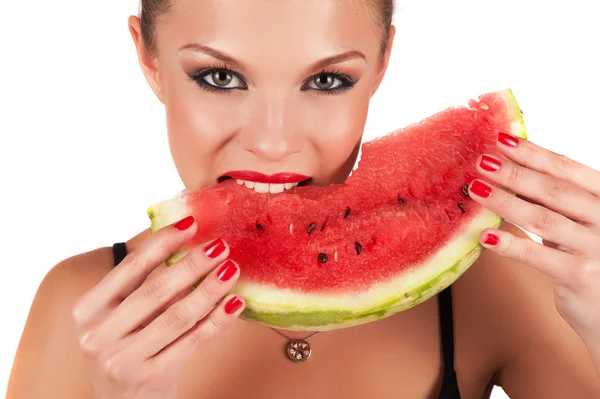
510, 308
80, 272
70, 279
49, 337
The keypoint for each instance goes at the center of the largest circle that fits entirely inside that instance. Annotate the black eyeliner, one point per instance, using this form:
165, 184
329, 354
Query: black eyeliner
198, 76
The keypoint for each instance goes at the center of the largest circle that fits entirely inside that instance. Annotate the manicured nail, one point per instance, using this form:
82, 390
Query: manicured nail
214, 249
491, 239
227, 271
481, 189
507, 140
490, 164
233, 305
184, 224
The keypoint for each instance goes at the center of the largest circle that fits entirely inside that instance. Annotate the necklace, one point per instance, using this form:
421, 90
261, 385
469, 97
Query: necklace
297, 349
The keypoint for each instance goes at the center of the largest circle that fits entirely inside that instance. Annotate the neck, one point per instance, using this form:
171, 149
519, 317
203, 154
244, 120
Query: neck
295, 334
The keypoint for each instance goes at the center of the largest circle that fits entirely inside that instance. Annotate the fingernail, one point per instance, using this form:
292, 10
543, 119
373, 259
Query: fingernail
491, 239
481, 189
214, 249
490, 164
184, 224
233, 305
507, 140
227, 271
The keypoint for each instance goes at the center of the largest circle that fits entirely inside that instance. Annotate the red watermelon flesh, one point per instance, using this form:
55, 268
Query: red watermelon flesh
398, 231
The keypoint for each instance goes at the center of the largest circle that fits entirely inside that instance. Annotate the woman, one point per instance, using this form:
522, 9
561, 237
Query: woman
235, 101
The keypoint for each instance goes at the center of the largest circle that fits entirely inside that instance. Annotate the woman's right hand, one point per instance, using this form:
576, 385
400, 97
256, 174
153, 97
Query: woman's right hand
138, 333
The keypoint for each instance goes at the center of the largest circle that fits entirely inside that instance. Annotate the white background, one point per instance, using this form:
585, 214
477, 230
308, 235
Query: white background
83, 149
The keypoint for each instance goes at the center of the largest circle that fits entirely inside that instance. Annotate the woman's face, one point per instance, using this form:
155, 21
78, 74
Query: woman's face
265, 85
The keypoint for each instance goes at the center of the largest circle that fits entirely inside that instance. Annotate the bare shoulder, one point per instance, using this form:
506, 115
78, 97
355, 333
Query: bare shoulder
77, 274
48, 352
509, 308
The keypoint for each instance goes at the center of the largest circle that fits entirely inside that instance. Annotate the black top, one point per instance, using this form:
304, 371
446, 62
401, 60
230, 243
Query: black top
450, 384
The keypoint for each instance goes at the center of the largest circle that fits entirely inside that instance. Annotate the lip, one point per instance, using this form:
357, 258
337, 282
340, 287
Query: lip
277, 178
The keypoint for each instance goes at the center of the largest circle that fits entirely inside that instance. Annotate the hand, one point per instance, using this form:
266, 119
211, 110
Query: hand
559, 200
132, 348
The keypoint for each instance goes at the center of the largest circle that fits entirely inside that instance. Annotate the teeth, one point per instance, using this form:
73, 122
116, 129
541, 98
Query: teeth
275, 188
264, 188
261, 187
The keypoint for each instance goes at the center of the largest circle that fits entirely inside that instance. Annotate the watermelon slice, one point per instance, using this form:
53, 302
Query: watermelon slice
397, 232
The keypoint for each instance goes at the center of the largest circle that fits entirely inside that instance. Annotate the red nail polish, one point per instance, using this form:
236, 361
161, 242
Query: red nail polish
490, 164
233, 305
507, 140
481, 189
227, 271
184, 224
214, 249
491, 239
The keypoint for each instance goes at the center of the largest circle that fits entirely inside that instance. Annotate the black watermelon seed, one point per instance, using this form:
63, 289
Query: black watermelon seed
259, 227
401, 201
465, 190
322, 257
324, 223
347, 213
462, 207
358, 247
311, 228
448, 214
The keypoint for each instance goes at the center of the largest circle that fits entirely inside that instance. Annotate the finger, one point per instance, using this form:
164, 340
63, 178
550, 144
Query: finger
537, 219
181, 351
549, 244
183, 315
136, 266
554, 193
554, 263
554, 245
534, 157
163, 308
155, 293
524, 198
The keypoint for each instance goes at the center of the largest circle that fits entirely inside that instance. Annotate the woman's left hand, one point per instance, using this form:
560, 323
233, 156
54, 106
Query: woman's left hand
557, 199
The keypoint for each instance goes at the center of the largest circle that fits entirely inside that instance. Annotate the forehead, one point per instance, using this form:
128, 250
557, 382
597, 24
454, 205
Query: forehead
288, 28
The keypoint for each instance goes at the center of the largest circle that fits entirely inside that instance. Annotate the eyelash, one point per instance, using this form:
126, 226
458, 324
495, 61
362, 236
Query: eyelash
346, 82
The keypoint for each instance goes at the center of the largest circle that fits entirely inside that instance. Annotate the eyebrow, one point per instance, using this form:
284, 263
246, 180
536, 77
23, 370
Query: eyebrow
320, 64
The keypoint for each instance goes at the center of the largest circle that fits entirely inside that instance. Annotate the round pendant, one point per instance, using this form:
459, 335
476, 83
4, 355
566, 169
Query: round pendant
298, 350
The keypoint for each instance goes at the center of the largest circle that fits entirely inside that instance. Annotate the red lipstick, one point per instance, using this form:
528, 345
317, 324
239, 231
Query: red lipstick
277, 178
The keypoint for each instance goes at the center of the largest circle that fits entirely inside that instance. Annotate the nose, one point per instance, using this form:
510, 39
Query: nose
271, 132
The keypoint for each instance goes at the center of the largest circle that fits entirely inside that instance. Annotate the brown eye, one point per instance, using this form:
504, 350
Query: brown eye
328, 82
221, 78
324, 82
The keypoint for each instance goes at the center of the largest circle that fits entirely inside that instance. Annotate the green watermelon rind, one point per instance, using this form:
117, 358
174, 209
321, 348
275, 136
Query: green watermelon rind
517, 127
283, 308
330, 311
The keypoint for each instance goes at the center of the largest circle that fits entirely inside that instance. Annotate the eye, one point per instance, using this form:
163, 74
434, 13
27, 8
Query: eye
328, 82
222, 79
218, 79
325, 82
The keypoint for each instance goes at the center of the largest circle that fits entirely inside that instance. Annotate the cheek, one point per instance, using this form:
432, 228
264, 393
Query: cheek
340, 125
198, 124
